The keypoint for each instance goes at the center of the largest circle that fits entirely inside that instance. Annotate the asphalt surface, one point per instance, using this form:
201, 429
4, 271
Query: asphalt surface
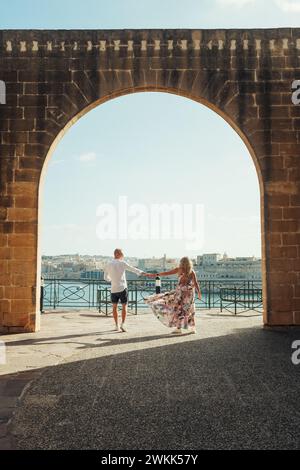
231, 386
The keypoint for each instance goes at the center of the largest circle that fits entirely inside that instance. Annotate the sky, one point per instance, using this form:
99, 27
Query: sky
115, 14
151, 148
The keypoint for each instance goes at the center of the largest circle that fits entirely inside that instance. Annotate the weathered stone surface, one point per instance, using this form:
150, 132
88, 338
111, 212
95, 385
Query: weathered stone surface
54, 77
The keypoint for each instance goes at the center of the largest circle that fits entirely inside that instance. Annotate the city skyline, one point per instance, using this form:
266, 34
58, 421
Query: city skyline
207, 266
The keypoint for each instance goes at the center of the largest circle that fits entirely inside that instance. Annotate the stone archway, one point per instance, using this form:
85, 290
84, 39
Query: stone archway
54, 77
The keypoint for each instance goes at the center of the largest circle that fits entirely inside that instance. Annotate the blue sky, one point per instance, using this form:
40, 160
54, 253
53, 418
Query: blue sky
149, 14
151, 147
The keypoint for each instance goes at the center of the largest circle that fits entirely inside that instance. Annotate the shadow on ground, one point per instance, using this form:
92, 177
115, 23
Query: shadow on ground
239, 391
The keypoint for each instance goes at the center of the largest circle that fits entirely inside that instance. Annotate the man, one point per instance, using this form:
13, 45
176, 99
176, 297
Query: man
115, 273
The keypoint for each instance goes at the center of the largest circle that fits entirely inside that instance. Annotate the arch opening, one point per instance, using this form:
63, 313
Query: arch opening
203, 102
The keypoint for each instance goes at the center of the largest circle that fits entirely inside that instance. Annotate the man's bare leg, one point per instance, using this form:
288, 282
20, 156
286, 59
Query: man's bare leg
115, 315
124, 314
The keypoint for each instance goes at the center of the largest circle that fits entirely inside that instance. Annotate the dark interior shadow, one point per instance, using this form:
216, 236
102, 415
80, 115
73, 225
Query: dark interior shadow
238, 391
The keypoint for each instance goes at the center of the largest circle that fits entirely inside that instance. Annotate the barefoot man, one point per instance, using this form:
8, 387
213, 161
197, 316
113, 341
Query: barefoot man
115, 273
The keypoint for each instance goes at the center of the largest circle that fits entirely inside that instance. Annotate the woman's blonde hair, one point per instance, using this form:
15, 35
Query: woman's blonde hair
186, 266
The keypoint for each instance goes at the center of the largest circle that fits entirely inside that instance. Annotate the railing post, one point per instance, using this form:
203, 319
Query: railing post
54, 296
221, 300
106, 302
99, 299
235, 299
42, 296
249, 291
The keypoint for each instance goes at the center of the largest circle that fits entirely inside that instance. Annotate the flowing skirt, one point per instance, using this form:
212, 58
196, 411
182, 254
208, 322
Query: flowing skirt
175, 308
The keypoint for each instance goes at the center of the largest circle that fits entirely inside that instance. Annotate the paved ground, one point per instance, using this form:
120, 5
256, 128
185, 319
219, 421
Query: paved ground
232, 385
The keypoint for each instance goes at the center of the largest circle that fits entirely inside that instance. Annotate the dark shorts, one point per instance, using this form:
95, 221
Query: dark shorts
122, 296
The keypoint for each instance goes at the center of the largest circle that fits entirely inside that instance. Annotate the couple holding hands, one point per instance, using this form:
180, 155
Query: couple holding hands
175, 309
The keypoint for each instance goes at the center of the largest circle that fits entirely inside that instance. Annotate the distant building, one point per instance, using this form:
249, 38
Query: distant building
213, 266
96, 275
157, 264
210, 259
150, 264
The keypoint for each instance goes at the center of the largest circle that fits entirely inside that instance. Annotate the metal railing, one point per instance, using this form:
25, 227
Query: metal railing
68, 293
241, 299
65, 293
105, 304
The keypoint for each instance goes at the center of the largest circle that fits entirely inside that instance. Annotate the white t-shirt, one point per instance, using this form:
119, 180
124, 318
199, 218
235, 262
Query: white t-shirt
115, 273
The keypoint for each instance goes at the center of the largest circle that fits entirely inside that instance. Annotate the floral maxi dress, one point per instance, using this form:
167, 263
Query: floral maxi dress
175, 308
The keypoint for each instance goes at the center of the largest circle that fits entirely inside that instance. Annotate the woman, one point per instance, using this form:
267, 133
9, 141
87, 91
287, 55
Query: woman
177, 307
